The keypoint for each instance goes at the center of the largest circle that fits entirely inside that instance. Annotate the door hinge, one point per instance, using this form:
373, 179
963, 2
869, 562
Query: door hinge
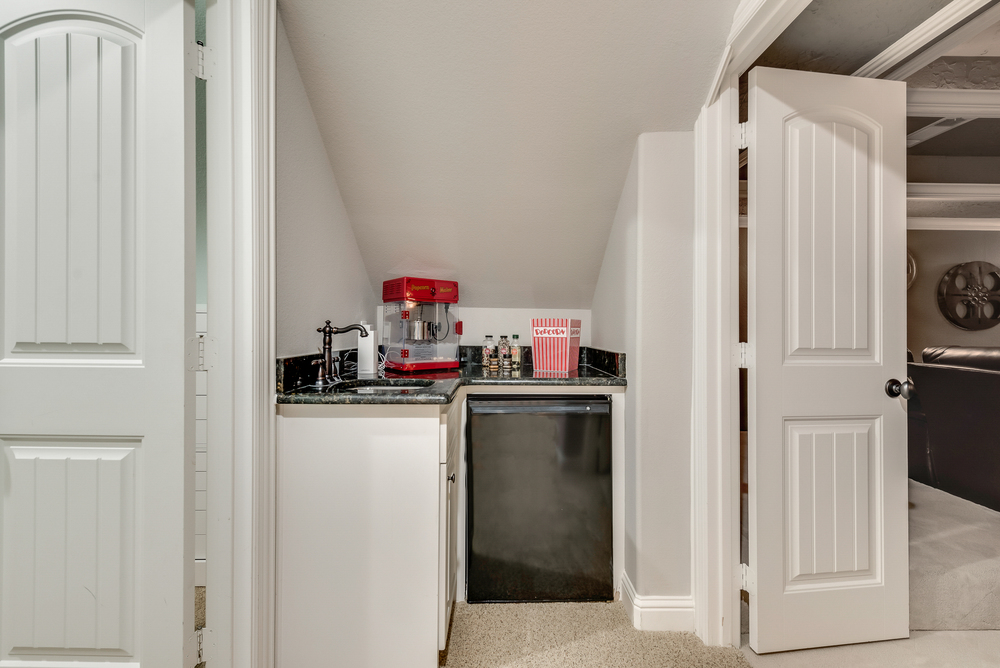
201, 646
741, 137
202, 352
748, 580
201, 60
200, 649
743, 355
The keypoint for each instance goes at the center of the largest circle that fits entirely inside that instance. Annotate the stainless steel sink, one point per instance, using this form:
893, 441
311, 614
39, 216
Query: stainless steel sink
371, 385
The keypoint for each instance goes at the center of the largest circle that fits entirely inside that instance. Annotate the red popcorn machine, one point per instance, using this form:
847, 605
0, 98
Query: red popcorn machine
420, 325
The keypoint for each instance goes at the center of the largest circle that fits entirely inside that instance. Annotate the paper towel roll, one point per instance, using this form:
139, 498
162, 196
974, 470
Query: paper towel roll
367, 350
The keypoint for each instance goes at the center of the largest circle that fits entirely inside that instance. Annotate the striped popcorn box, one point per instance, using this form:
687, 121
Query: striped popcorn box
555, 344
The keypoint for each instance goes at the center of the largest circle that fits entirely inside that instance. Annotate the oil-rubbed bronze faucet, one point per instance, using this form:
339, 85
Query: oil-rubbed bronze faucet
328, 365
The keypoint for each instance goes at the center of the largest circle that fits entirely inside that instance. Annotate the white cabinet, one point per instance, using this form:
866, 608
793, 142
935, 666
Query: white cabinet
366, 524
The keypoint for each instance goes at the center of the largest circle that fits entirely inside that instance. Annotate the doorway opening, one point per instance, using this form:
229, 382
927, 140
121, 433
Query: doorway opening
949, 576
953, 245
955, 368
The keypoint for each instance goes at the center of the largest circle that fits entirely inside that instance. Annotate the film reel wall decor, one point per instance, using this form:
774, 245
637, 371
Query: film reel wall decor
969, 295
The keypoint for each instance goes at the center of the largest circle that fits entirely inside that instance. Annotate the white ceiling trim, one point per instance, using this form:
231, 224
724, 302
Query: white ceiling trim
953, 192
945, 44
756, 24
946, 18
935, 129
953, 224
953, 103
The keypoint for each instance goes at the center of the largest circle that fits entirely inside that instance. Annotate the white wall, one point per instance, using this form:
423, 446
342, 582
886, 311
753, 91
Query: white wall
645, 284
614, 327
320, 273
937, 251
664, 344
478, 322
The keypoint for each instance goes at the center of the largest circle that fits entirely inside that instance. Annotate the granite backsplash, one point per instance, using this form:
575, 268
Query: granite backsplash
298, 371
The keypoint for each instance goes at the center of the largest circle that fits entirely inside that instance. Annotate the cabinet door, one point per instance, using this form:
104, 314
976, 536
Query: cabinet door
452, 536
448, 561
444, 486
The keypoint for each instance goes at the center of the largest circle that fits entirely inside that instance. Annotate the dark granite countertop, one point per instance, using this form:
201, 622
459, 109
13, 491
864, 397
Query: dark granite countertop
440, 388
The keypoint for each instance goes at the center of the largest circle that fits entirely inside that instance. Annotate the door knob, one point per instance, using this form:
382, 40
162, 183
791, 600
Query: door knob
894, 388
451, 478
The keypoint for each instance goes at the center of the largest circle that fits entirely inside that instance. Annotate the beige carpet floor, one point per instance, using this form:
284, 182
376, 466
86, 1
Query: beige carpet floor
540, 635
199, 608
954, 563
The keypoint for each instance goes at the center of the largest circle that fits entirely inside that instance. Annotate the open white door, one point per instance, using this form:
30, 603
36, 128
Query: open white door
827, 326
97, 260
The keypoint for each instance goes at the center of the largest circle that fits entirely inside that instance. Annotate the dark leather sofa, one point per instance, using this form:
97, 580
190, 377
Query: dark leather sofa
954, 437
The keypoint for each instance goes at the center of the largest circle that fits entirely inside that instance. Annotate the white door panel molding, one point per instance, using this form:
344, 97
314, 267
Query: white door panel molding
831, 195
832, 503
69, 545
70, 177
130, 13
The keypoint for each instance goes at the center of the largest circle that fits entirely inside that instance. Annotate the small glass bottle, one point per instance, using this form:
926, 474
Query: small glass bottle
488, 348
503, 352
515, 353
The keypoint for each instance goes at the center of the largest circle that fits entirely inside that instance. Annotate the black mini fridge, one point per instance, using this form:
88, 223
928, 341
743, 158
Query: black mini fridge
539, 498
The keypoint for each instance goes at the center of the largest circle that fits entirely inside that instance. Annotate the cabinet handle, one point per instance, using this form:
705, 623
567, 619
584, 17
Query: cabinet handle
451, 478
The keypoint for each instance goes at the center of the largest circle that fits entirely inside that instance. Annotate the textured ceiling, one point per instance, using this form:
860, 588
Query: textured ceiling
839, 36
958, 72
489, 141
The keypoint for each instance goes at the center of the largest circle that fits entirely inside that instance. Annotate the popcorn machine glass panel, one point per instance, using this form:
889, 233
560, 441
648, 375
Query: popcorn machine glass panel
421, 334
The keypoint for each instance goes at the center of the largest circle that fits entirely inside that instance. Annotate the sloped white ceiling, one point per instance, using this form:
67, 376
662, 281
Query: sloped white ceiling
489, 141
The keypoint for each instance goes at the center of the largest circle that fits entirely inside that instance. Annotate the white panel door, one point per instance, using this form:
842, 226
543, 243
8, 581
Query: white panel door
96, 438
827, 323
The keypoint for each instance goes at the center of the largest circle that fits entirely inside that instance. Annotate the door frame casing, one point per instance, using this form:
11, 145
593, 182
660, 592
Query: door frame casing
715, 387
242, 272
715, 378
256, 327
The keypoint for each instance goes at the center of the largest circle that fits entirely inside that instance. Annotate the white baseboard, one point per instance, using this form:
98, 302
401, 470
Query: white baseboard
657, 613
